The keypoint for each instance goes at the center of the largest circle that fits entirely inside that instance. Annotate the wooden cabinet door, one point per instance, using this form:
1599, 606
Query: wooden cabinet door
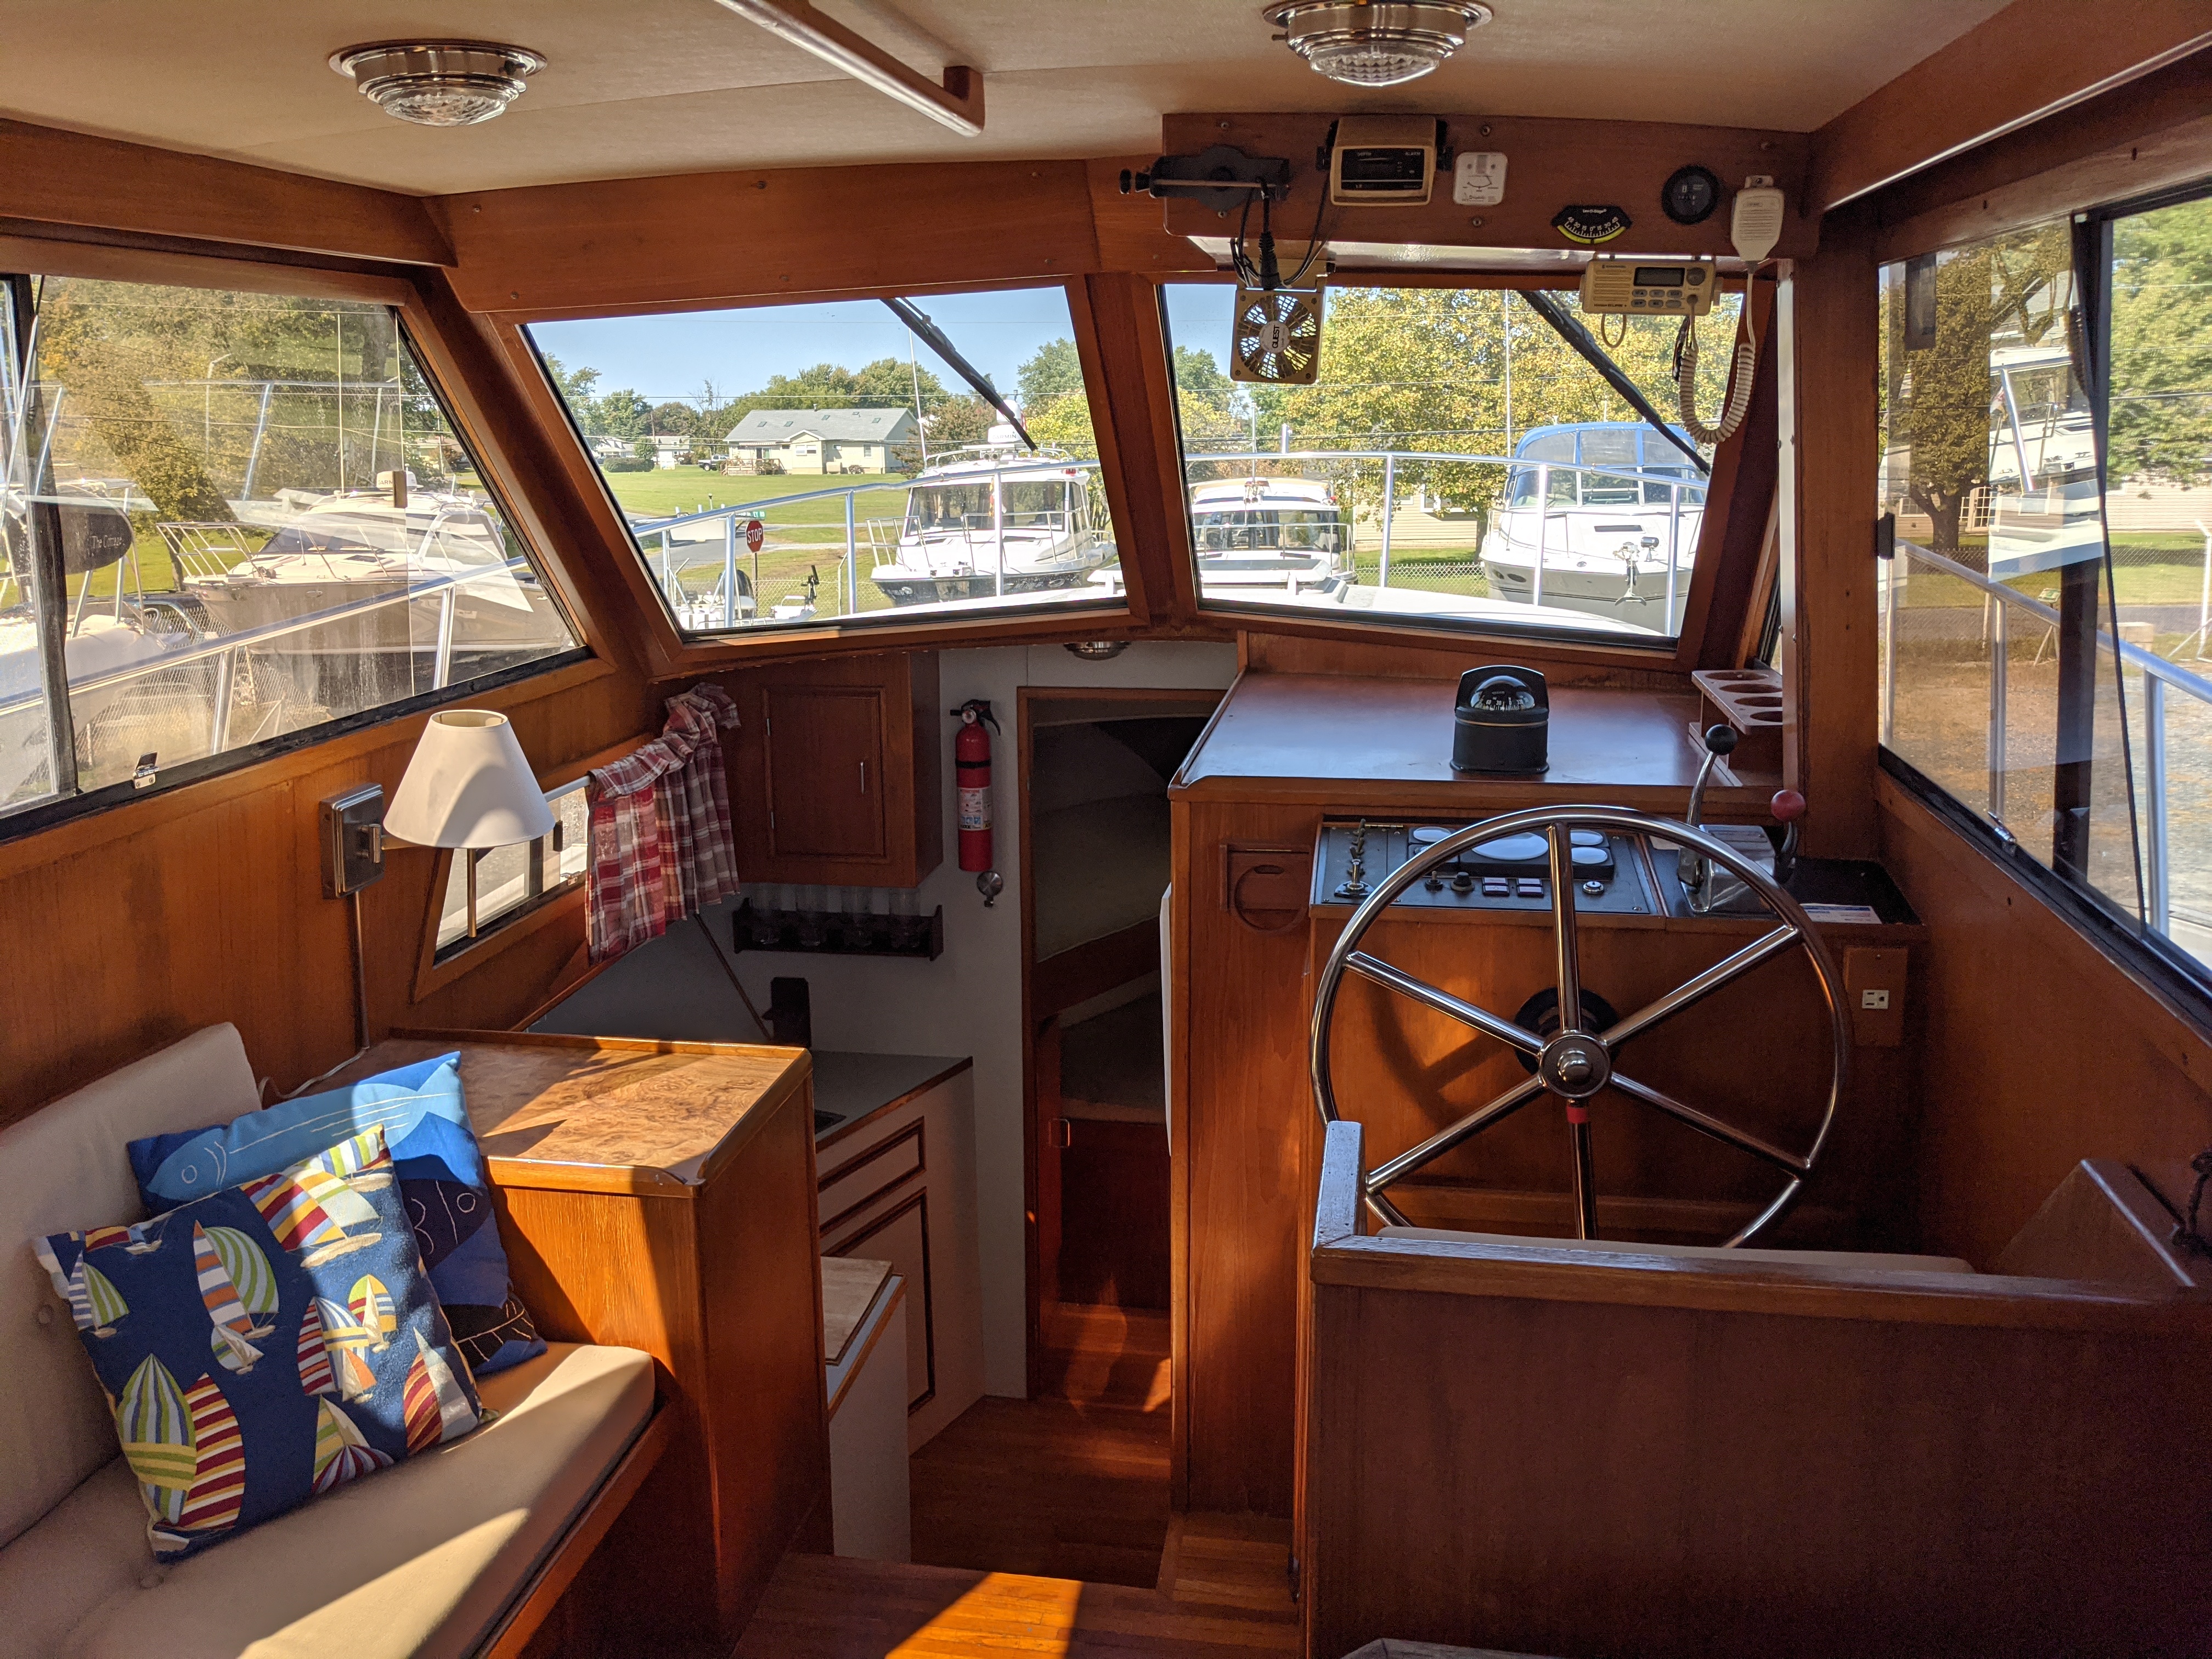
900, 1235
825, 771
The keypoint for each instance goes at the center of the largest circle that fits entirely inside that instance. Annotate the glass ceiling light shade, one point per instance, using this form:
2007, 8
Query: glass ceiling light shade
468, 785
439, 83
1376, 43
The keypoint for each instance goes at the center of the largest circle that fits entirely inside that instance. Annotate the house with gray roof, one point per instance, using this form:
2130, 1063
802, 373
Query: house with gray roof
824, 440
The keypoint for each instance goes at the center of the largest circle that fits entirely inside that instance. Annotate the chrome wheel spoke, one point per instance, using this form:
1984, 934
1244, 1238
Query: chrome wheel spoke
1704, 1123
1444, 1140
1563, 928
1444, 1002
1585, 1183
1696, 990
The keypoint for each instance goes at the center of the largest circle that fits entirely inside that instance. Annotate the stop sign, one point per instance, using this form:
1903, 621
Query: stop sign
756, 533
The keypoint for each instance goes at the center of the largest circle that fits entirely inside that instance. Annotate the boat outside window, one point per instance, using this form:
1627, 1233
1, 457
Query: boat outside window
1455, 464
913, 498
2047, 624
230, 517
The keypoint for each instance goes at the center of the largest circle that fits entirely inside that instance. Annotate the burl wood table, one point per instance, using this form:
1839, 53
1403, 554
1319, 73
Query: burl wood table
661, 1196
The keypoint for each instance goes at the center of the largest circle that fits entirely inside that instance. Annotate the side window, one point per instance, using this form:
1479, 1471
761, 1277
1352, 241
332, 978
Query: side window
230, 517
2046, 622
488, 886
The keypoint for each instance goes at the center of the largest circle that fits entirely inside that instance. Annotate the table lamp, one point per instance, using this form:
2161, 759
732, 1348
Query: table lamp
468, 787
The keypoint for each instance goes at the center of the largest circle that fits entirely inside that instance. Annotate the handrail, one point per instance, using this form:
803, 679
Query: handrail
2149, 661
225, 644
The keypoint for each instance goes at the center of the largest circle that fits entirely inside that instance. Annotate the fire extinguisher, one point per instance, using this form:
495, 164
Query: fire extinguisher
971, 766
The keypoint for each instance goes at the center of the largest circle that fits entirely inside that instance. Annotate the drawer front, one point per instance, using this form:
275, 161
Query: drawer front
861, 1180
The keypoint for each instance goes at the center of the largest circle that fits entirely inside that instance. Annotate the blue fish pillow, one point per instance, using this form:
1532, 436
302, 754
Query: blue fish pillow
441, 1181
265, 1343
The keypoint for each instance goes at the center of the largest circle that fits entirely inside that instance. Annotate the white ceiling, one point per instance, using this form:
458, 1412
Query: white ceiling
634, 87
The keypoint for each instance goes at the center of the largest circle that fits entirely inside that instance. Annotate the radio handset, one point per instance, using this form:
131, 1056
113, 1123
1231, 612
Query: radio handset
1755, 227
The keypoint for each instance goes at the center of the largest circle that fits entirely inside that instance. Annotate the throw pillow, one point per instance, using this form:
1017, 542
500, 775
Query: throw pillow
265, 1343
442, 1179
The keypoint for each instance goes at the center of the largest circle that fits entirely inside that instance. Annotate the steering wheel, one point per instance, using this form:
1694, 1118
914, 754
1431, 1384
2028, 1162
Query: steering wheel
1577, 1063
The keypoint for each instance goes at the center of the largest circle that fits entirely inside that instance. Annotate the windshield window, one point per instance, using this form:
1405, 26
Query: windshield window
786, 464
1482, 471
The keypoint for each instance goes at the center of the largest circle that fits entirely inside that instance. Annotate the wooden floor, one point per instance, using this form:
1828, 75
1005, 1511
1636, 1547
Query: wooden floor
1042, 1526
1234, 1606
1073, 1487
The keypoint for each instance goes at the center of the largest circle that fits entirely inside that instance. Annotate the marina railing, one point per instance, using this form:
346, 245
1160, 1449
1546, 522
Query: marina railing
2161, 678
1537, 549
673, 557
228, 652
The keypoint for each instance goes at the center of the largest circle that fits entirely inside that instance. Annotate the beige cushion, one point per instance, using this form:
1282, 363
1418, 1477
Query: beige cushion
1745, 1256
64, 1168
420, 1560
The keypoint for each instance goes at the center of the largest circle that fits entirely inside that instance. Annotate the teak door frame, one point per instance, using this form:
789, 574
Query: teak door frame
1135, 698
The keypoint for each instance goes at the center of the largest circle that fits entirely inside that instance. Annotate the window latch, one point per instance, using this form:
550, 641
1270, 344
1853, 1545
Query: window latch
143, 776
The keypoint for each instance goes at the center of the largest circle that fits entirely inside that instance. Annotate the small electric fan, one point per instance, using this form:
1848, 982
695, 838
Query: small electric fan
1278, 336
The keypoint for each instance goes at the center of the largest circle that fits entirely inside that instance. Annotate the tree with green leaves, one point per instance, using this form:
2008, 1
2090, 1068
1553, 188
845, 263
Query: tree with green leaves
2162, 405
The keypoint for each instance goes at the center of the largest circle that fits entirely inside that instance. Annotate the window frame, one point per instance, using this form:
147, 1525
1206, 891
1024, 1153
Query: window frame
1690, 648
39, 256
1136, 607
2127, 938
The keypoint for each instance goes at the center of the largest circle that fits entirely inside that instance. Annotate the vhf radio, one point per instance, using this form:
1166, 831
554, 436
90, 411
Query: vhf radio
1642, 289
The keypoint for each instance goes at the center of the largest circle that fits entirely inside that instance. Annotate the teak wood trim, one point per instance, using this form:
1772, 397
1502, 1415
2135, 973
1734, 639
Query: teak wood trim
2152, 135
1554, 1270
1826, 331
74, 178
511, 1637
957, 99
2028, 62
63, 254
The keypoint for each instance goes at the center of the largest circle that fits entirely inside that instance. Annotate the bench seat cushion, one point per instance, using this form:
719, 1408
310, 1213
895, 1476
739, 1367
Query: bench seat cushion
419, 1560
1747, 1257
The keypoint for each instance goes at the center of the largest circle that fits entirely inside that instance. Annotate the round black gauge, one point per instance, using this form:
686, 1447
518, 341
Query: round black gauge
1690, 195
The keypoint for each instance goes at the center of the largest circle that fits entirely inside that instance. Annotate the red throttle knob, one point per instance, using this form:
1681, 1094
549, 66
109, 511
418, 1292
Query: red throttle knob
1788, 806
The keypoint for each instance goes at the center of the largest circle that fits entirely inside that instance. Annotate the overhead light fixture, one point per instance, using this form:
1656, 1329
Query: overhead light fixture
439, 83
957, 103
1376, 43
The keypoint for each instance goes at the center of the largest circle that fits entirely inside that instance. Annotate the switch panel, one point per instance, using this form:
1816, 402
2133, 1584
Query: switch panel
1511, 872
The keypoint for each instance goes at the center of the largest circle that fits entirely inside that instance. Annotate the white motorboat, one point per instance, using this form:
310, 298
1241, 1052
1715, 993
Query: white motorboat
996, 521
1613, 509
1255, 536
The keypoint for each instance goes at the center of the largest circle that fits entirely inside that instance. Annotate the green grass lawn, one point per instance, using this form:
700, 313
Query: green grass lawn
666, 492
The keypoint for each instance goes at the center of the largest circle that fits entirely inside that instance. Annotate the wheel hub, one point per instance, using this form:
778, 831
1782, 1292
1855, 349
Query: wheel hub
1575, 1064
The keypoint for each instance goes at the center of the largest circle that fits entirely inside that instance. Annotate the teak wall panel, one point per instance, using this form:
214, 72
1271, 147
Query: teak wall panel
133, 926
1826, 344
1596, 1477
2037, 1051
61, 178
1553, 161
643, 244
2030, 60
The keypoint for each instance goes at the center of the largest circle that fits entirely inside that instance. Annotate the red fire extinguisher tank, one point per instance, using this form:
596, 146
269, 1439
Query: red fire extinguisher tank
971, 766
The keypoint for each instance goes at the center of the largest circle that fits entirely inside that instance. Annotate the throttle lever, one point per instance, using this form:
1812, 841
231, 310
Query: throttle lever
1787, 807
1720, 739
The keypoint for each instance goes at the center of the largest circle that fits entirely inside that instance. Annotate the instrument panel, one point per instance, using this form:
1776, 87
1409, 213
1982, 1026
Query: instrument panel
1614, 874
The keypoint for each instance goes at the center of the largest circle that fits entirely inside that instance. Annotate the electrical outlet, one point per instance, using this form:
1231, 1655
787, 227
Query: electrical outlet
1874, 999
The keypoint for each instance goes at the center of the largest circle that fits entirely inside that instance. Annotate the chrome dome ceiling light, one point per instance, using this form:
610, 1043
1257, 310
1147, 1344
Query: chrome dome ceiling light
439, 83
1376, 43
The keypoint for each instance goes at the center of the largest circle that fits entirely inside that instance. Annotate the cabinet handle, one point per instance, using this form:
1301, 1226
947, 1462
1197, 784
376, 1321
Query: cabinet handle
864, 777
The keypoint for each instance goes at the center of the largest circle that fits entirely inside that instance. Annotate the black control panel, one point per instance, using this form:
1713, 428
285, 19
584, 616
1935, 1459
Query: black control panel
1510, 872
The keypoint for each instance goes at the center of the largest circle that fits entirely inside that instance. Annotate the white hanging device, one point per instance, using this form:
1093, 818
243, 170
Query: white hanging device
1754, 226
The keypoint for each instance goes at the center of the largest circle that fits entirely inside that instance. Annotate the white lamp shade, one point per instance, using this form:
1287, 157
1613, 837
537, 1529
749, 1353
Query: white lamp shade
468, 785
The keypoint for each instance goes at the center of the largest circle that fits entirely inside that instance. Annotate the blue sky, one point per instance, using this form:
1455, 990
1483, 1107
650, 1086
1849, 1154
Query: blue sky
670, 355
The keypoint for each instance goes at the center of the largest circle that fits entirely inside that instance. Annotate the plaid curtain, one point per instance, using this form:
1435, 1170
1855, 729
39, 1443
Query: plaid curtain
661, 843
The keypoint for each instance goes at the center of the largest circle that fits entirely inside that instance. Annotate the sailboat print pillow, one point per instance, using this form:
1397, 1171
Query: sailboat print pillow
442, 1184
265, 1343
